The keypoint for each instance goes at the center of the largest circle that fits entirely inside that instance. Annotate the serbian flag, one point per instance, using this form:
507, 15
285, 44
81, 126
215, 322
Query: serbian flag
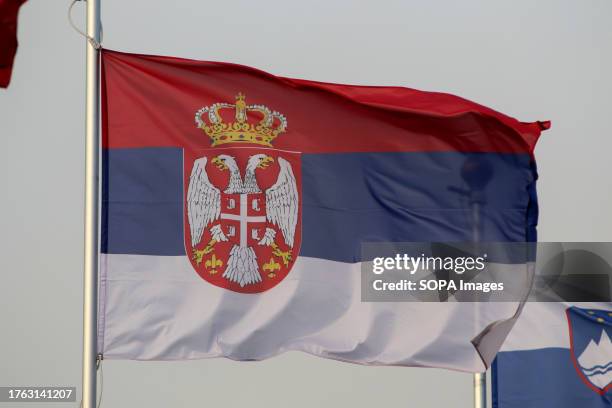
9, 9
235, 203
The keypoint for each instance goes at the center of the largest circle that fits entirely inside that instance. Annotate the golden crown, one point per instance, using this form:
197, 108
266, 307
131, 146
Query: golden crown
241, 130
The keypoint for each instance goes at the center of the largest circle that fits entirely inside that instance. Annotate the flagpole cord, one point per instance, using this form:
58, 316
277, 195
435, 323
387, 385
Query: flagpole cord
99, 360
97, 45
98, 369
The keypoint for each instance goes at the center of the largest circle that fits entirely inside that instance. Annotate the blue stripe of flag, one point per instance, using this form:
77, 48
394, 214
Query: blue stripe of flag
348, 198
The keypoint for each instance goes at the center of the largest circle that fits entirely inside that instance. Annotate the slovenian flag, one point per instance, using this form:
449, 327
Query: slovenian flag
235, 204
558, 355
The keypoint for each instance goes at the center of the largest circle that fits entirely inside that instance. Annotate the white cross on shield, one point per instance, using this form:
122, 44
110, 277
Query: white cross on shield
244, 218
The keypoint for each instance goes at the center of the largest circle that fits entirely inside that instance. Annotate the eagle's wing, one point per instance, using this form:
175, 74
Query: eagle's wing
203, 201
282, 202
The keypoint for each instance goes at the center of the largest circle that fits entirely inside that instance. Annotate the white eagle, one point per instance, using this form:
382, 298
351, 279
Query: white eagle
204, 208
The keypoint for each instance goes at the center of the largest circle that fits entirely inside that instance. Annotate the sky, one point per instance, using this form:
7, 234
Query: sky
534, 60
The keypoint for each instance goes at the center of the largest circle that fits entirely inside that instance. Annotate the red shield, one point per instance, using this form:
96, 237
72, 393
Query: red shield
242, 215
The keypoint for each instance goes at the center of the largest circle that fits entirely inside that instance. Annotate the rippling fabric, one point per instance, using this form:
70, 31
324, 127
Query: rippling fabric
375, 164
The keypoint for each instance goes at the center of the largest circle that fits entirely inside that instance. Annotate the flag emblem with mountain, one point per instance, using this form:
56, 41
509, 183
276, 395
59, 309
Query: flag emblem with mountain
591, 348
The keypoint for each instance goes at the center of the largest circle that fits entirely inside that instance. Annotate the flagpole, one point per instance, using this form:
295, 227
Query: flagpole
92, 140
480, 390
480, 379
477, 173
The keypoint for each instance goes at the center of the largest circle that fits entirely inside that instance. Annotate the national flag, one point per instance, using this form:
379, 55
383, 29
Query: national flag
9, 9
558, 355
235, 203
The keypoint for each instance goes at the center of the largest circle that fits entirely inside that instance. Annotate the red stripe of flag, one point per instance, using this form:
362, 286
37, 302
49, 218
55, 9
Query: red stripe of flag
9, 9
150, 101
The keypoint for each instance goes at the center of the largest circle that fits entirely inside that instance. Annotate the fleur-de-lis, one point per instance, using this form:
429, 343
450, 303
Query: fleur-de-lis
213, 263
271, 267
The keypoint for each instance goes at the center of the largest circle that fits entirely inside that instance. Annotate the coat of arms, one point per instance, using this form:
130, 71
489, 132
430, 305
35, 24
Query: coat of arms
242, 199
591, 348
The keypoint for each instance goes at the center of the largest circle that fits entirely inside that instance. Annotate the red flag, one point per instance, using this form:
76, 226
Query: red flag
9, 10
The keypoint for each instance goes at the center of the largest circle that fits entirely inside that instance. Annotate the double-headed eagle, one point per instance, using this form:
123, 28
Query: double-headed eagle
204, 208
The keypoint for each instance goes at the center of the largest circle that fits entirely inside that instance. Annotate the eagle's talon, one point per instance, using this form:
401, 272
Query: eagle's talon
198, 256
284, 255
216, 231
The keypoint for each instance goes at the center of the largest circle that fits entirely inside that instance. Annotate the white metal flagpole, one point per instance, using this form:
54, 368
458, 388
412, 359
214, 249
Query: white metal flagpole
92, 140
480, 390
477, 174
480, 379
